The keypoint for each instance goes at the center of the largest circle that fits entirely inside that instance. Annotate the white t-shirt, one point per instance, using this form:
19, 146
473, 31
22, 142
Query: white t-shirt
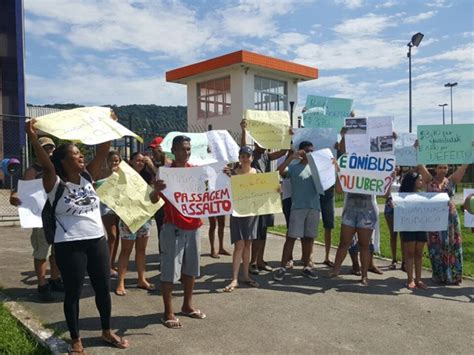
77, 212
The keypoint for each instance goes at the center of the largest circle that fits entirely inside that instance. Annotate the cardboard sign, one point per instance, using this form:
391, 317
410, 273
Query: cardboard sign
405, 151
127, 194
445, 144
33, 198
323, 169
326, 112
369, 135
368, 174
468, 217
202, 191
320, 137
256, 194
270, 129
88, 125
420, 212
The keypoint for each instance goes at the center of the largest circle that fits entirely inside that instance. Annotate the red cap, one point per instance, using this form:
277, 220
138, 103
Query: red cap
155, 142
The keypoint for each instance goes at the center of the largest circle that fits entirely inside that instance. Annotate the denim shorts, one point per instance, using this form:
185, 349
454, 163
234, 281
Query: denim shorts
359, 211
126, 233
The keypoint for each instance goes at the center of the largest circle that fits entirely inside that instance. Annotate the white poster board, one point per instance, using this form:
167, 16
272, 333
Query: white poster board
33, 198
323, 169
369, 135
420, 212
201, 191
468, 218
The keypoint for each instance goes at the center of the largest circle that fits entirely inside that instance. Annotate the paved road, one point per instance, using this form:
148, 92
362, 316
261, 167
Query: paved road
295, 316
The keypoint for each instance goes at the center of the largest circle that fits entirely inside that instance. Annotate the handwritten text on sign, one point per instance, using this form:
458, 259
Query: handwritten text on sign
88, 125
127, 194
420, 212
256, 194
202, 191
368, 174
270, 129
445, 144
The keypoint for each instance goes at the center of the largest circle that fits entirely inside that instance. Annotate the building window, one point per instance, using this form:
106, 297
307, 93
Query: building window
214, 98
270, 94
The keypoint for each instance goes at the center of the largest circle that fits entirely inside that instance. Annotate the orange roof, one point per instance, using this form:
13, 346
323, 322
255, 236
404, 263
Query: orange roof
302, 72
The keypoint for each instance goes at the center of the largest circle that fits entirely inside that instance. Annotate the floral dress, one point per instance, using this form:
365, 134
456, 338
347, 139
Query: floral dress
445, 247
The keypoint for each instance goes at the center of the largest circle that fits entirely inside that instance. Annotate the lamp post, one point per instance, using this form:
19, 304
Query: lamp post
443, 106
292, 105
415, 41
450, 86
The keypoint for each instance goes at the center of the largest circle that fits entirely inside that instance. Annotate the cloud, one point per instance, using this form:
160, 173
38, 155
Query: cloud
351, 4
464, 53
438, 3
289, 41
387, 4
420, 17
369, 25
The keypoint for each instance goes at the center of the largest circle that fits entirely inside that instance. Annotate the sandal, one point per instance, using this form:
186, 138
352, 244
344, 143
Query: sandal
411, 286
421, 284
71, 351
118, 342
215, 256
252, 283
197, 314
229, 288
364, 281
356, 272
393, 265
150, 288
375, 270
120, 293
172, 323
328, 263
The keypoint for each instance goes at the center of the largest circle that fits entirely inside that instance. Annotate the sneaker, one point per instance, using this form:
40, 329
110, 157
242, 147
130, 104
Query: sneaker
56, 285
279, 273
254, 269
265, 267
44, 293
289, 264
309, 273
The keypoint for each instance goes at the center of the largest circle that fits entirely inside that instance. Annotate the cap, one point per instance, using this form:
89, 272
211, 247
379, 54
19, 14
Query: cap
46, 141
155, 142
245, 150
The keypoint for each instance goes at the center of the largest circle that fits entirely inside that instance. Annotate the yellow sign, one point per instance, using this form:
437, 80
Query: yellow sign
88, 125
256, 194
270, 129
127, 194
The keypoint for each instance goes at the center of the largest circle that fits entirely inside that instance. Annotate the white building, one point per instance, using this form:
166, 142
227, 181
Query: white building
219, 90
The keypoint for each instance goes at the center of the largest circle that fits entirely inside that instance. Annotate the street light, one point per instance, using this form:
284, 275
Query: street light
443, 106
415, 41
450, 86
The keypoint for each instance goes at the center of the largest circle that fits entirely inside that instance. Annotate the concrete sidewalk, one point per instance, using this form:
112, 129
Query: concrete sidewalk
297, 315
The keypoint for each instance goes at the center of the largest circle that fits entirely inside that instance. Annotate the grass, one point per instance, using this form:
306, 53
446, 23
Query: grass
14, 339
468, 243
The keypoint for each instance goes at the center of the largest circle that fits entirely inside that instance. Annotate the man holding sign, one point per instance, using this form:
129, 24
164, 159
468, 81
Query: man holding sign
180, 245
304, 216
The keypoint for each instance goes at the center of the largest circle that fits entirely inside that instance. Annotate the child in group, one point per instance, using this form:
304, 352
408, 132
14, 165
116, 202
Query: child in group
413, 242
243, 230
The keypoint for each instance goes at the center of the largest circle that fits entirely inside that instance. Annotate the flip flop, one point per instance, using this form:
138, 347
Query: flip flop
71, 351
120, 294
356, 272
172, 323
197, 314
375, 270
411, 287
422, 285
328, 263
150, 288
229, 288
119, 343
252, 283
214, 256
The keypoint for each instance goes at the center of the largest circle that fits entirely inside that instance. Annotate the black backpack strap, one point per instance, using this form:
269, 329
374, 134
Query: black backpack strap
57, 196
85, 174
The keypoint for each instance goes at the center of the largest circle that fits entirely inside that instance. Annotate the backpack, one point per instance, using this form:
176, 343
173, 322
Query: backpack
48, 215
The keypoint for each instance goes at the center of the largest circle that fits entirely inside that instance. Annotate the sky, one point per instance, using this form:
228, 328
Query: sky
117, 51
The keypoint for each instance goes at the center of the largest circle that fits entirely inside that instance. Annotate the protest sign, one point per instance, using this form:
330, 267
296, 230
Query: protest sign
323, 169
222, 146
468, 217
326, 112
445, 144
33, 198
127, 194
369, 135
201, 191
256, 194
420, 212
88, 125
269, 129
405, 151
368, 174
320, 137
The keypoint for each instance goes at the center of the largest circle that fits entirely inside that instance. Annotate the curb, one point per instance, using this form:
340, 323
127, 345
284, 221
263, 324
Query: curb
379, 257
42, 335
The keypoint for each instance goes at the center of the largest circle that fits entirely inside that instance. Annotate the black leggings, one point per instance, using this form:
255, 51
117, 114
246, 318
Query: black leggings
74, 259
